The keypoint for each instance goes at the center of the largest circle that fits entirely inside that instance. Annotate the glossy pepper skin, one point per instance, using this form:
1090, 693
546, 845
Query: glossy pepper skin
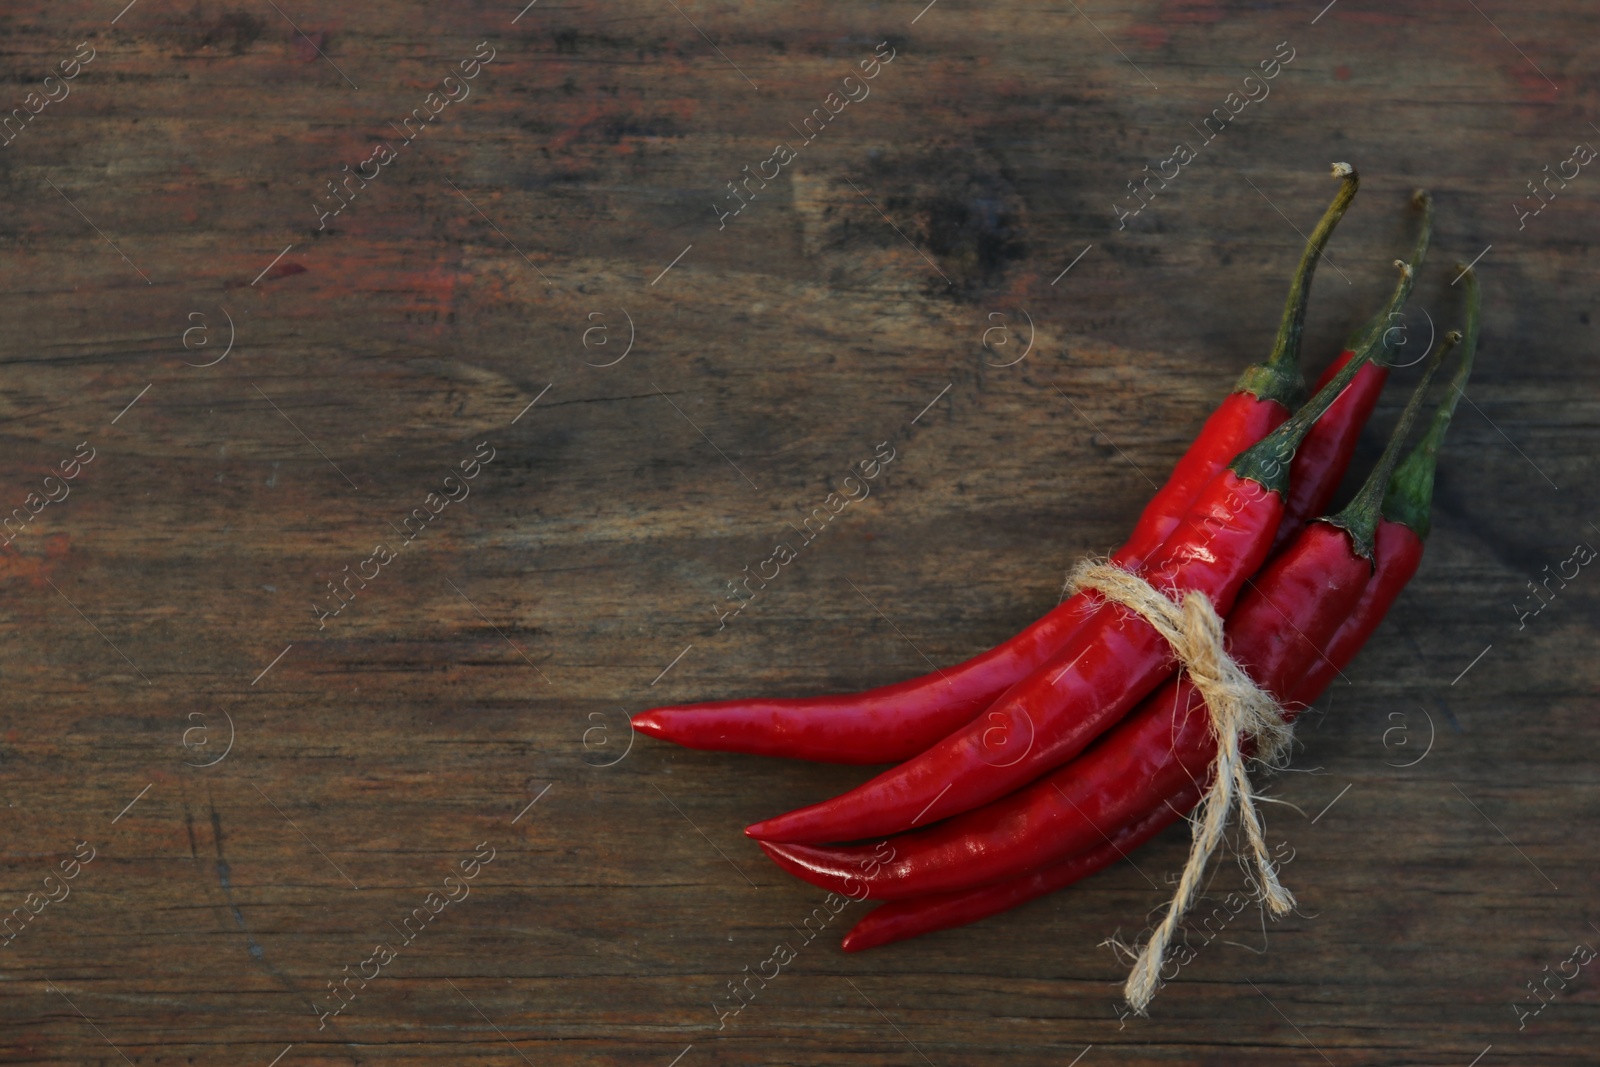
896, 722
1399, 554
1292, 612
1108, 666
902, 919
1397, 551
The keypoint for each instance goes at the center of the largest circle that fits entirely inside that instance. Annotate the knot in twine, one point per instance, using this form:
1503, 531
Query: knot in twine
1239, 709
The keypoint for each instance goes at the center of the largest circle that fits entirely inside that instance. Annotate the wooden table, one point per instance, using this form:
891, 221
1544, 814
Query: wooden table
548, 275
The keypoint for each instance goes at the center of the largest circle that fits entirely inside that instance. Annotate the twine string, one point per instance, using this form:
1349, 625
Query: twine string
1239, 709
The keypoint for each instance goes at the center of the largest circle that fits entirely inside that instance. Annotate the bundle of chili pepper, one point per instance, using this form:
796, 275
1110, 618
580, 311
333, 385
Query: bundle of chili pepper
1299, 626
896, 722
1050, 756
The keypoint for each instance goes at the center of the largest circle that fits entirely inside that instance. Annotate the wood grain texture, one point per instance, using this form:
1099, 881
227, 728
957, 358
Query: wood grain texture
495, 658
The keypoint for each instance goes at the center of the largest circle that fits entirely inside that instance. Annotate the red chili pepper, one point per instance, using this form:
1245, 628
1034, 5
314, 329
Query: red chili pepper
1291, 611
895, 722
1113, 661
1399, 553
1407, 520
1322, 459
1398, 549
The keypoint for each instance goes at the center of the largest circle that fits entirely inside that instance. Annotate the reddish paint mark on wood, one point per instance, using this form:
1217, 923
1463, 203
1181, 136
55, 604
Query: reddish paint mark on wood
33, 565
308, 47
1203, 12
1536, 87
1370, 18
1151, 37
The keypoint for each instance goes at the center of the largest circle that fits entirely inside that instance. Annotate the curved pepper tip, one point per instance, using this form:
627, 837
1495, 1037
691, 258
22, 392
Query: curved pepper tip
862, 937
798, 826
787, 828
649, 722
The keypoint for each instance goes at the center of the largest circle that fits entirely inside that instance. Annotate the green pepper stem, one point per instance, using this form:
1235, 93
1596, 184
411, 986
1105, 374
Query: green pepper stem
1380, 324
1409, 498
1359, 518
1279, 378
1267, 461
